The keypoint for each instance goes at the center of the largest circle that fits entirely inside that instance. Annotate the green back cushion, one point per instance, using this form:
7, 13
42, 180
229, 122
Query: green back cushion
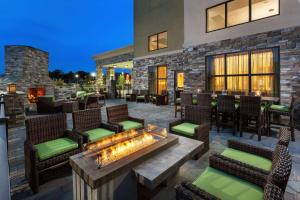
178, 100
55, 147
280, 108
48, 97
98, 133
128, 125
250, 159
140, 97
185, 128
80, 93
195, 101
227, 187
214, 103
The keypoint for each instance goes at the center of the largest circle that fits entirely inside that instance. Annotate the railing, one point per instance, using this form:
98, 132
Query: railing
4, 168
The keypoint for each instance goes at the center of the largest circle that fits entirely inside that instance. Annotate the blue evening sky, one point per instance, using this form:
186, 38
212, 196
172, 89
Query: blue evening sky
72, 31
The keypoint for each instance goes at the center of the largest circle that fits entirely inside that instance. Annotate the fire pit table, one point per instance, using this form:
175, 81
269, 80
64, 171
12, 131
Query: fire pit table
130, 165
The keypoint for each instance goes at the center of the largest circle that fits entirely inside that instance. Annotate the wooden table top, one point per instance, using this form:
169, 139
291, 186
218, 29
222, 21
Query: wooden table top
158, 168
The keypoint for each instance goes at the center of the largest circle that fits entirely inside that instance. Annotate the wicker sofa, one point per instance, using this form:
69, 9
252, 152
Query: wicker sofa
229, 181
142, 96
194, 125
119, 116
89, 125
48, 146
48, 104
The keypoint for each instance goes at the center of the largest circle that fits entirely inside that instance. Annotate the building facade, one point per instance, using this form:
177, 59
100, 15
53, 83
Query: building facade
240, 45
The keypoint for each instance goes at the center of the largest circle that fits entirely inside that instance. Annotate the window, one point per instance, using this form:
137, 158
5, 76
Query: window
158, 41
216, 18
244, 72
157, 79
180, 80
237, 12
264, 8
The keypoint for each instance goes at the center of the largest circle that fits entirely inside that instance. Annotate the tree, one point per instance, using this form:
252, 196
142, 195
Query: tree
56, 74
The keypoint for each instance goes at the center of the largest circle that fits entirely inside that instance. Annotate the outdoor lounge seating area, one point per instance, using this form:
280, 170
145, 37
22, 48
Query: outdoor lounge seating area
246, 166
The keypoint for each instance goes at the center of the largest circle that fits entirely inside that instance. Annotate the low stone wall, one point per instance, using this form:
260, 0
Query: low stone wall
65, 91
192, 61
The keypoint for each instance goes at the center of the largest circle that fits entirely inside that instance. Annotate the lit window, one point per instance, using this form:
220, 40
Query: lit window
163, 40
238, 12
240, 74
180, 80
216, 18
158, 41
264, 8
157, 80
153, 43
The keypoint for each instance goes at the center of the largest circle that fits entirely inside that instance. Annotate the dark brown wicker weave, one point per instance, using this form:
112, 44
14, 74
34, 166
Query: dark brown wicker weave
91, 101
162, 99
89, 119
43, 129
289, 114
196, 115
204, 100
250, 112
119, 113
46, 105
271, 191
186, 99
226, 112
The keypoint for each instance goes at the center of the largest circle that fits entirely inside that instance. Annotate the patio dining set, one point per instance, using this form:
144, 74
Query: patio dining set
240, 112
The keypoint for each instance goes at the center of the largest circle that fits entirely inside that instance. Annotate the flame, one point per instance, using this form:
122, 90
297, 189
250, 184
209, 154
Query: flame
125, 148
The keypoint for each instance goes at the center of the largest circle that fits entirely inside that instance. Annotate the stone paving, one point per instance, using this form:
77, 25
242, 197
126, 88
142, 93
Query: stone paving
61, 188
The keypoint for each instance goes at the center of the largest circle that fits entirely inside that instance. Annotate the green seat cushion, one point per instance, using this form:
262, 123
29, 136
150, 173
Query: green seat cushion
280, 108
262, 108
98, 133
154, 98
195, 101
185, 128
250, 159
140, 97
214, 104
236, 105
128, 125
227, 187
178, 100
80, 93
55, 147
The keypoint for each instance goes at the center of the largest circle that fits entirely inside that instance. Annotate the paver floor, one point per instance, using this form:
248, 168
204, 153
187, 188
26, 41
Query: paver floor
61, 188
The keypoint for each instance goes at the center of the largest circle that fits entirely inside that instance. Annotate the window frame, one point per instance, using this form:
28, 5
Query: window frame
226, 15
157, 45
275, 74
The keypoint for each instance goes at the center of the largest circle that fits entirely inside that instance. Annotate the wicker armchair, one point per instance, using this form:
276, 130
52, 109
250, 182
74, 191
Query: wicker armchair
194, 125
251, 111
186, 99
282, 110
47, 105
205, 101
226, 112
48, 145
131, 96
162, 99
235, 174
90, 101
119, 116
89, 125
142, 96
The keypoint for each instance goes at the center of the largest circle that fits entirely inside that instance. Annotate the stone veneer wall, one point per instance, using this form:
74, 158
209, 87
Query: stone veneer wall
192, 60
28, 68
65, 91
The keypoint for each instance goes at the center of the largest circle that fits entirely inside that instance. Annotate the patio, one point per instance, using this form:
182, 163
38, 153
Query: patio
61, 188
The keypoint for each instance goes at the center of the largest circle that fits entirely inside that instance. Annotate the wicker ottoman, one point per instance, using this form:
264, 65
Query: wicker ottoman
70, 106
